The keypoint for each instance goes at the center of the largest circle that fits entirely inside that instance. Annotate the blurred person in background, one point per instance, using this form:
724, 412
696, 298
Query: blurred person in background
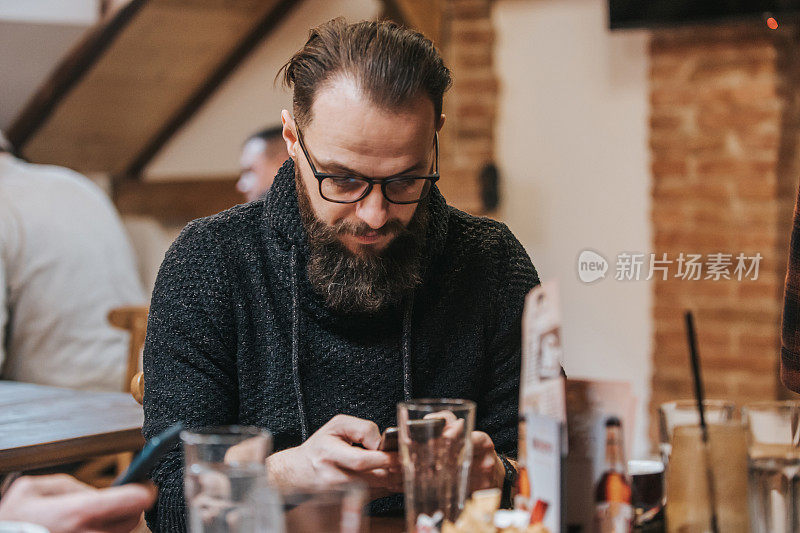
65, 262
790, 333
262, 155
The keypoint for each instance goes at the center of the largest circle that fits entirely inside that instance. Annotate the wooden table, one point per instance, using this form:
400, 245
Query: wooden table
45, 426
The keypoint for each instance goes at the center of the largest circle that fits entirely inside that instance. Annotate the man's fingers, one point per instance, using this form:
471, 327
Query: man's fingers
120, 503
49, 485
481, 442
355, 430
359, 460
447, 415
454, 426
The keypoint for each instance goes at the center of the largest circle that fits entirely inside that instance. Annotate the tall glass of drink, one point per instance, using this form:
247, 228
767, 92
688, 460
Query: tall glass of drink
688, 494
436, 453
685, 413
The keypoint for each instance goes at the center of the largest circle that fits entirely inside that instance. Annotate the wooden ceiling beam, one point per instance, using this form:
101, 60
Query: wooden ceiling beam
264, 27
68, 73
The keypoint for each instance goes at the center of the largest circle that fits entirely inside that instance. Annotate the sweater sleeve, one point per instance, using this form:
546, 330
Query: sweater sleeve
497, 411
790, 334
189, 358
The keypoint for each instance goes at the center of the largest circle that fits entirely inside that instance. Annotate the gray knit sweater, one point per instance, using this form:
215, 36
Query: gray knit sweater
237, 335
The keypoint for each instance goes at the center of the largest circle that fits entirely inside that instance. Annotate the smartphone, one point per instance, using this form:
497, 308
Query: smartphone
419, 431
144, 462
426, 429
388, 440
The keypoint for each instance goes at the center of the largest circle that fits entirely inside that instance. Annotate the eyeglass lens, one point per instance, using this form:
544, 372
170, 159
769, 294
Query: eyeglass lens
345, 189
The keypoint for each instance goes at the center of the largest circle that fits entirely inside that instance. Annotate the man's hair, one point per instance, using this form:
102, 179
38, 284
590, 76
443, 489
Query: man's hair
268, 134
389, 63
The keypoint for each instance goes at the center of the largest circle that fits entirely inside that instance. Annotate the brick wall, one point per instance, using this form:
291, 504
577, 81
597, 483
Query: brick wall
724, 135
470, 105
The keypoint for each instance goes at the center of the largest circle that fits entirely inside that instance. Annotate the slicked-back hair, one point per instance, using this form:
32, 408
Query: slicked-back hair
390, 64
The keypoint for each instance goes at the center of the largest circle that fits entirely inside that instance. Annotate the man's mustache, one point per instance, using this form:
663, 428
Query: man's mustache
361, 229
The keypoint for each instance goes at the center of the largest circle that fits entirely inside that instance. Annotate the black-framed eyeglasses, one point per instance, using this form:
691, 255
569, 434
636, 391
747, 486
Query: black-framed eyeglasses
349, 189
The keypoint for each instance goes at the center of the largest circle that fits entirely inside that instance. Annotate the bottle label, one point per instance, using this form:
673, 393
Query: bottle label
613, 517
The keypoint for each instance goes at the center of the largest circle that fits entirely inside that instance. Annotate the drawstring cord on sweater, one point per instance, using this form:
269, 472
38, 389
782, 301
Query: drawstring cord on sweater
298, 389
407, 348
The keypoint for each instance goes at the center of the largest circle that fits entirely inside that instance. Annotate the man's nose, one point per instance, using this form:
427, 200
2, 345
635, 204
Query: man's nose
373, 209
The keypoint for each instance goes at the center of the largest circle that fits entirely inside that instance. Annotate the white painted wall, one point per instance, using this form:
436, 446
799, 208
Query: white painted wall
209, 144
572, 147
80, 12
29, 51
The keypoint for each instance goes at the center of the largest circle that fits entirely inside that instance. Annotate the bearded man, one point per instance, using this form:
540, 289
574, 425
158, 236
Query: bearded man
351, 286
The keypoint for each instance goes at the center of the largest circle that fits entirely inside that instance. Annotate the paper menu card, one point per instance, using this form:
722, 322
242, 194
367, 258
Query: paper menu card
542, 349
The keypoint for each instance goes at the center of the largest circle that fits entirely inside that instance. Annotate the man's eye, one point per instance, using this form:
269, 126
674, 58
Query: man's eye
405, 183
346, 183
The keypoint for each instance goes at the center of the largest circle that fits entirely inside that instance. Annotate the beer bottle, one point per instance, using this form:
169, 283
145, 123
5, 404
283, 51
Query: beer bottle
522, 498
613, 511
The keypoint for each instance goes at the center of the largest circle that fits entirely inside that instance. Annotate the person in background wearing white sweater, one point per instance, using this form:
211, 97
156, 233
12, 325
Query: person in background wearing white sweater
65, 261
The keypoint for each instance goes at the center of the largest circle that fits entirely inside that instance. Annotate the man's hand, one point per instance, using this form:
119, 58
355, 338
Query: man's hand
328, 457
487, 470
63, 504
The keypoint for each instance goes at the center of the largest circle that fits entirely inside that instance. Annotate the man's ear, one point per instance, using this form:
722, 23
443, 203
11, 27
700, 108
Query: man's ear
440, 123
289, 134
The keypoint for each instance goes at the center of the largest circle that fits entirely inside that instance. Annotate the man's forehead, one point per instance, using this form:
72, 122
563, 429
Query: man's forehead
341, 106
348, 129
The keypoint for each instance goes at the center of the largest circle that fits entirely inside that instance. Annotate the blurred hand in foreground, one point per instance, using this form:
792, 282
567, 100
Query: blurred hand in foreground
63, 504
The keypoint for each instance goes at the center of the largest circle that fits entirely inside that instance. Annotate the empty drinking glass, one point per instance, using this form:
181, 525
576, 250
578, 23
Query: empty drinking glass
225, 479
336, 509
436, 453
774, 466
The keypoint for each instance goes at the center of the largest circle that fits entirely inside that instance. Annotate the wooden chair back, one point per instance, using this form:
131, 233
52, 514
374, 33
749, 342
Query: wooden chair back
101, 471
134, 320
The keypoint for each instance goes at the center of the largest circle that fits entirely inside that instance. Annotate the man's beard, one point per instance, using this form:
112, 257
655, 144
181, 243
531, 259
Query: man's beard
372, 280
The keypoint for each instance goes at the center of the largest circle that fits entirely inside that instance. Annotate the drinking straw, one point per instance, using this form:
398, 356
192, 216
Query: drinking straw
694, 358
